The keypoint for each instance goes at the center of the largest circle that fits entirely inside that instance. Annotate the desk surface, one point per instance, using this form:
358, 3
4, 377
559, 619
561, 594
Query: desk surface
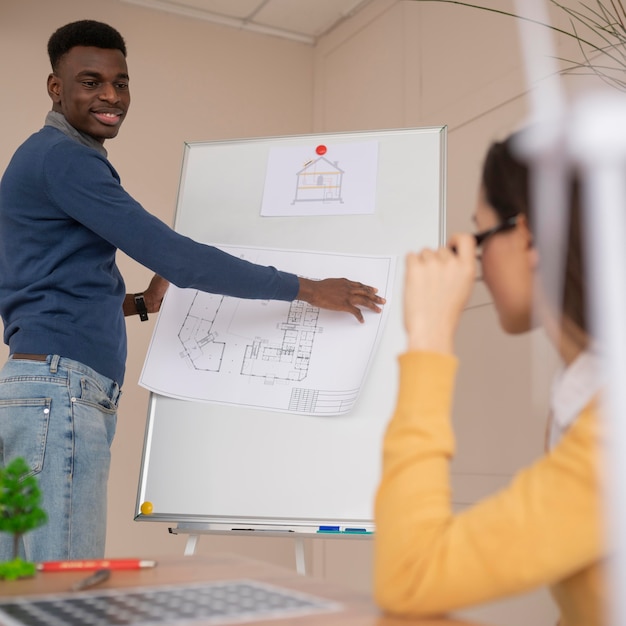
358, 608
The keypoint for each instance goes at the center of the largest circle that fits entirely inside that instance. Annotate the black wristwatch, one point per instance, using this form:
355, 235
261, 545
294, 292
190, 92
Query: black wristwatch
140, 303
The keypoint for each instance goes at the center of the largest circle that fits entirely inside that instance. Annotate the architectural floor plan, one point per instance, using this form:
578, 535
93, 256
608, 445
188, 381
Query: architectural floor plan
284, 356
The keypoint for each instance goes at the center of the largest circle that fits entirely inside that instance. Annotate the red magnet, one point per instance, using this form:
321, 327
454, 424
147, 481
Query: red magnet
321, 149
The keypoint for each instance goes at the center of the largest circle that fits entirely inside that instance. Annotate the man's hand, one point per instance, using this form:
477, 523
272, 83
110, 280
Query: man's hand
155, 293
152, 296
340, 294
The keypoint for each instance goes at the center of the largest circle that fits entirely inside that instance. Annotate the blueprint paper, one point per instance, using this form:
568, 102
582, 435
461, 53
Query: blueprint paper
320, 179
281, 356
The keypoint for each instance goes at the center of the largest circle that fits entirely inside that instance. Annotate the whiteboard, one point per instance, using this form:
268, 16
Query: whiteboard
228, 467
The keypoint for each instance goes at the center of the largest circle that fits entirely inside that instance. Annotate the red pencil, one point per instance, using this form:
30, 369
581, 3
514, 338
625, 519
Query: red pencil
93, 564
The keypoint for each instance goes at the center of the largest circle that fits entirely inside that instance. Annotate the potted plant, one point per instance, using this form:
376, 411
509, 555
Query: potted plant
20, 512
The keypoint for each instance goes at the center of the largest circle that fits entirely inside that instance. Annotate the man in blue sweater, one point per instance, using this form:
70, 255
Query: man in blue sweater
63, 216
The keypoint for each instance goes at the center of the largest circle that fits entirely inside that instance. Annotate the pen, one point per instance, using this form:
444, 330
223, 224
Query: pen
264, 530
100, 576
93, 564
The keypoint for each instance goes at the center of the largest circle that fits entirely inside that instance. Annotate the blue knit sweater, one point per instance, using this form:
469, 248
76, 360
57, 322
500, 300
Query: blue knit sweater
63, 215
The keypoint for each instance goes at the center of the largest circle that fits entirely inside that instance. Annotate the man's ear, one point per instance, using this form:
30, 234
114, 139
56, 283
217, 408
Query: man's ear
54, 88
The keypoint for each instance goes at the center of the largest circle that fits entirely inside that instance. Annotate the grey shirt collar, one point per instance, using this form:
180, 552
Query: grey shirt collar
58, 121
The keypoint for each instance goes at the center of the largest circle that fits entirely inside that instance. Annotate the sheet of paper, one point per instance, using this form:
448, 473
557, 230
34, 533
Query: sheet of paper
320, 179
289, 357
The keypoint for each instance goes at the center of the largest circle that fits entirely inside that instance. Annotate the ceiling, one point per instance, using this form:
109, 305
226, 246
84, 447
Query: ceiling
299, 20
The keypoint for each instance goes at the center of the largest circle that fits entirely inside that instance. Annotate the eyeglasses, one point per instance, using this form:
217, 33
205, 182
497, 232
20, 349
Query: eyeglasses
482, 236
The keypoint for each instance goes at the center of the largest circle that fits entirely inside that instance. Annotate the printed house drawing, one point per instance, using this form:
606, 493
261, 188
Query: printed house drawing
319, 181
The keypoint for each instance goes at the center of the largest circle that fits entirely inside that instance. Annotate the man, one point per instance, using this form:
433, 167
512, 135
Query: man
63, 215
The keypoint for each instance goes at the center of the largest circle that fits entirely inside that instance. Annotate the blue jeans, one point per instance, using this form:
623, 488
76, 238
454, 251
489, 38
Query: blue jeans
60, 415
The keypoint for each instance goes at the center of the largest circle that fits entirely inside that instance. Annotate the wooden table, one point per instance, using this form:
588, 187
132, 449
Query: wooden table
358, 608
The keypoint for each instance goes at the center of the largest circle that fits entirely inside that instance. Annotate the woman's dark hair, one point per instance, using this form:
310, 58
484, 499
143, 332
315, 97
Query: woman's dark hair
506, 183
83, 33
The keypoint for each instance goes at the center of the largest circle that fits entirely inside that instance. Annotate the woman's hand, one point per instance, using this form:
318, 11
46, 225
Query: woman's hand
437, 286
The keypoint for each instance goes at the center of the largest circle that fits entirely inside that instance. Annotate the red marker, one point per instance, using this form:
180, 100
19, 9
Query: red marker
93, 564
321, 149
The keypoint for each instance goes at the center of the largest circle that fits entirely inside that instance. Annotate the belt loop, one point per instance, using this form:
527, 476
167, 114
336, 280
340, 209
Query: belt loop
54, 363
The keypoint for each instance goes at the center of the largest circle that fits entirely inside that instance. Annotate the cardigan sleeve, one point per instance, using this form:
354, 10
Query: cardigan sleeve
540, 529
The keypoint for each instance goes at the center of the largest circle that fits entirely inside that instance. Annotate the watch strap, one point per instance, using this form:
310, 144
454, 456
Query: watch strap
140, 304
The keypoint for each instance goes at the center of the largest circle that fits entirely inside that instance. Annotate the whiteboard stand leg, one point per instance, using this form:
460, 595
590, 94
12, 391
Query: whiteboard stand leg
190, 546
300, 561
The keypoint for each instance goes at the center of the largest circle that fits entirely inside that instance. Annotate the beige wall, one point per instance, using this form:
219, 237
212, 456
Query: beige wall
395, 64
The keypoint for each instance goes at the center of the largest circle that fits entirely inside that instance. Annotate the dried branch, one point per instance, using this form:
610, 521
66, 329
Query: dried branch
602, 48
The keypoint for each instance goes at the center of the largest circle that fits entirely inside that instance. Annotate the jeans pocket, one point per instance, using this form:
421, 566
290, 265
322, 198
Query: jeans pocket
96, 408
23, 430
92, 393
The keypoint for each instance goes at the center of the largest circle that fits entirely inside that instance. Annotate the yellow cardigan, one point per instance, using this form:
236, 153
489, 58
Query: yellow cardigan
545, 528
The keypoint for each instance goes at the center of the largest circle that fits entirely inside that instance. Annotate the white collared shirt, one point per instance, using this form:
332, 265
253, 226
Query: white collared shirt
572, 390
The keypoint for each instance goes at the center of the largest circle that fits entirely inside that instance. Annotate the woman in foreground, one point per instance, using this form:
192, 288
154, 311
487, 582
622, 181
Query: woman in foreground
545, 528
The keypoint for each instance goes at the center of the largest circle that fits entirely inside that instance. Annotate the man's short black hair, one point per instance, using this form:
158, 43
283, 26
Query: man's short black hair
83, 33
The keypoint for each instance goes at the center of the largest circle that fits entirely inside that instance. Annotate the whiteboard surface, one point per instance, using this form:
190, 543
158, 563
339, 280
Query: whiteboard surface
210, 463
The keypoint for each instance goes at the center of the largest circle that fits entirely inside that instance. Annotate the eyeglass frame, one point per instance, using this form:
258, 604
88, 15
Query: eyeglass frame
483, 235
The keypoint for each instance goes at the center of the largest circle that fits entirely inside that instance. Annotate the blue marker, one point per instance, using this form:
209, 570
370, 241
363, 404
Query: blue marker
328, 529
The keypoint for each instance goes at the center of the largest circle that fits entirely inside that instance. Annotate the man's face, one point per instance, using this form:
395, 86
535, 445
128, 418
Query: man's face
90, 88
